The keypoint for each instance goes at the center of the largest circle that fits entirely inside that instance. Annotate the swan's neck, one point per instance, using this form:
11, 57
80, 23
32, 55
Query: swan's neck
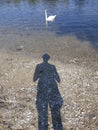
46, 14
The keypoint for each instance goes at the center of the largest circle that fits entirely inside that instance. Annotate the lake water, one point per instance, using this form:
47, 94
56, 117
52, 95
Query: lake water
77, 18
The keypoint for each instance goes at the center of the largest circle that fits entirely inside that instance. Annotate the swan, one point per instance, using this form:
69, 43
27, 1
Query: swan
49, 18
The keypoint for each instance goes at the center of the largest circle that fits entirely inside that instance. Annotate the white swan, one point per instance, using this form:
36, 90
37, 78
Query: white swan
49, 18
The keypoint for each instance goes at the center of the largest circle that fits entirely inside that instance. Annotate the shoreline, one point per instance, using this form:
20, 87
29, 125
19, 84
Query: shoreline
36, 44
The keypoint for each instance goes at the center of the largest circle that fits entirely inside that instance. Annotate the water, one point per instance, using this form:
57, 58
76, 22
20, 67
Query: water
74, 17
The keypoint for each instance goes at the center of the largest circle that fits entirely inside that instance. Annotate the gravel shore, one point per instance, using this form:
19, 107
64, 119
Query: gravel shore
79, 88
77, 65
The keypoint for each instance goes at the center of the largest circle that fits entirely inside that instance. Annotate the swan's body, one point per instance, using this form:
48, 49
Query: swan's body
50, 18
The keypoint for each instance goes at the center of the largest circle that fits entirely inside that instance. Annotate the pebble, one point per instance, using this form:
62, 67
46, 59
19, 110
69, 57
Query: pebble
1, 89
1, 127
75, 60
19, 48
96, 72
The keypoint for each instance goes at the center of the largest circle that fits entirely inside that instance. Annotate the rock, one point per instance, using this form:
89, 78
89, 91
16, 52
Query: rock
1, 89
75, 60
96, 73
31, 128
27, 128
19, 48
1, 127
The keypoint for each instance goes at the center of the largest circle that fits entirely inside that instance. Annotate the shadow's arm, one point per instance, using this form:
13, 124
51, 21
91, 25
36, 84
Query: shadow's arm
56, 75
36, 74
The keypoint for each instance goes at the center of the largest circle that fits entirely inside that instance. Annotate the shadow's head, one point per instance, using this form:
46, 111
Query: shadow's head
46, 57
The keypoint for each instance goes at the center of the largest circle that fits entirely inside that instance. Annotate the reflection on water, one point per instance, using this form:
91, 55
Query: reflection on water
75, 17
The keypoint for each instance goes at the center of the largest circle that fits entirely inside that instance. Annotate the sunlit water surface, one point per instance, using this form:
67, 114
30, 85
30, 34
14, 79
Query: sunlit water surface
74, 17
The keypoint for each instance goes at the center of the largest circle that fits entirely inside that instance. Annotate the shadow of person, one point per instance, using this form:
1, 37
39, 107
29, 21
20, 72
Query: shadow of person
48, 94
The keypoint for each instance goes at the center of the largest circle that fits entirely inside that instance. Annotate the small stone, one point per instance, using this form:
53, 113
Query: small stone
1, 89
19, 48
96, 72
1, 127
32, 128
75, 60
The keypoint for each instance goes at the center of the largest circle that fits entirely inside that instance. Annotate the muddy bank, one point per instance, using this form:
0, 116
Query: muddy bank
79, 88
62, 48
